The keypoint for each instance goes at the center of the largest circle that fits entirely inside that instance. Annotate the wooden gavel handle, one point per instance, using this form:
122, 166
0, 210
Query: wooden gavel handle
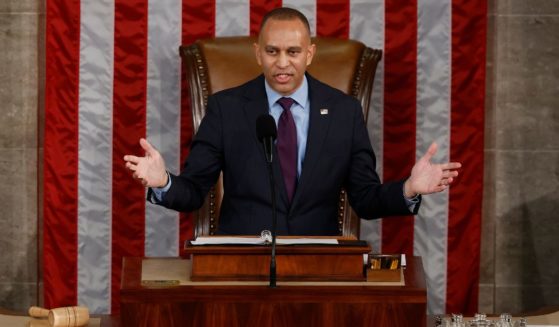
38, 312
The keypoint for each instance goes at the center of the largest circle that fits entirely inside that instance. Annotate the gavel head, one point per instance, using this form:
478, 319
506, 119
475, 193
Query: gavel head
69, 317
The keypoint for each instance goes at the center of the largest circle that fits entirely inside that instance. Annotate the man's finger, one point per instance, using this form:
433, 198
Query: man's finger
449, 173
451, 166
148, 148
445, 182
132, 159
131, 166
430, 152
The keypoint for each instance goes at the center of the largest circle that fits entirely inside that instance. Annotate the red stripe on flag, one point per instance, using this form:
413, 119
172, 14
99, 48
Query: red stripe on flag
259, 8
400, 54
129, 125
332, 18
469, 22
60, 204
198, 21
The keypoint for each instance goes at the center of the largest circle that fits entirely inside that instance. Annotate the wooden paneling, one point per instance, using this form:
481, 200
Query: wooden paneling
343, 262
250, 305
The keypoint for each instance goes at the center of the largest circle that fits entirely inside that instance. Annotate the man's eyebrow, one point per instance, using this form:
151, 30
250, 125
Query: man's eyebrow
275, 48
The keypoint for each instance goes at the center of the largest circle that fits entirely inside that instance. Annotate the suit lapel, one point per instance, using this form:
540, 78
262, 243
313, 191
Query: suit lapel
319, 123
256, 105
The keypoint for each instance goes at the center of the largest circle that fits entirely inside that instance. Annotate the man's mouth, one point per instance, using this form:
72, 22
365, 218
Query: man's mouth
282, 77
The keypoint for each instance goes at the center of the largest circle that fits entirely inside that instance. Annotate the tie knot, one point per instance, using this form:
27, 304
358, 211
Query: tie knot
286, 103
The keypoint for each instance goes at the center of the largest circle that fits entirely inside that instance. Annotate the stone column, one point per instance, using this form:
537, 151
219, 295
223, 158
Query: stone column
21, 30
520, 246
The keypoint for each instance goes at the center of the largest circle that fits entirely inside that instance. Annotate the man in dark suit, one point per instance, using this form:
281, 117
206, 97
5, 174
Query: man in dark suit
322, 145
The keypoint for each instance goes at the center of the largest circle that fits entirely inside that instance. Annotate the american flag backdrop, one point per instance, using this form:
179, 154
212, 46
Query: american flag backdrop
113, 75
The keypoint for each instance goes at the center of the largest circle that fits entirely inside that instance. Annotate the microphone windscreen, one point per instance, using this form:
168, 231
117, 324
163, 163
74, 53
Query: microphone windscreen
266, 127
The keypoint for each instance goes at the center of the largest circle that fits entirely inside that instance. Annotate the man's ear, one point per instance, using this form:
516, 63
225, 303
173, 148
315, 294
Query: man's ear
257, 53
310, 53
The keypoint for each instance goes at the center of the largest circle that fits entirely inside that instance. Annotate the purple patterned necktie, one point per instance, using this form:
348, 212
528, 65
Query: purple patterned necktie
287, 146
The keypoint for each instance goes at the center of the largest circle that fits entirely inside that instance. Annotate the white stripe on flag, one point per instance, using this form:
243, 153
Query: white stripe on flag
367, 26
95, 154
433, 124
232, 17
308, 8
163, 115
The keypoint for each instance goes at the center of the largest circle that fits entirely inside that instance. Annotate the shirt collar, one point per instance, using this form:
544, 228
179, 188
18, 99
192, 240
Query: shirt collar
301, 95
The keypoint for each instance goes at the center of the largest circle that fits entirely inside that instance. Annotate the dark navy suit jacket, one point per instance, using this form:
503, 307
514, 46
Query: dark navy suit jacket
339, 154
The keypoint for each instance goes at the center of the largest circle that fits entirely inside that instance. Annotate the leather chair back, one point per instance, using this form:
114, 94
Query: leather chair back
215, 64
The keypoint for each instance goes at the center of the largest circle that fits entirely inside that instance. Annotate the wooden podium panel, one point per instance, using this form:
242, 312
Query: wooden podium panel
340, 262
290, 304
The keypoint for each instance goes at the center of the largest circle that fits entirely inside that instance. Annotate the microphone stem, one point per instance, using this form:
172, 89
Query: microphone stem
274, 223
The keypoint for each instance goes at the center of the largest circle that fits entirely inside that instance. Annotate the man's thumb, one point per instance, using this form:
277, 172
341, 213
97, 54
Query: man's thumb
148, 148
431, 151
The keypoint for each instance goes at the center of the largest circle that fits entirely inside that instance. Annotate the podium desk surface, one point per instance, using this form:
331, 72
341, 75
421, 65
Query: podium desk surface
174, 273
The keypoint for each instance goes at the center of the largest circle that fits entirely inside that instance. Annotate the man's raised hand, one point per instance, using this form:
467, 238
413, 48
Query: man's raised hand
427, 177
149, 170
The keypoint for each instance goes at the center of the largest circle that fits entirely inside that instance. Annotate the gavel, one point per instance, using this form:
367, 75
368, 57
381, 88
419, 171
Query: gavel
62, 317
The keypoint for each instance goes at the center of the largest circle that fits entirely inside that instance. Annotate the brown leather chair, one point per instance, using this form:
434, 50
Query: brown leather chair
219, 63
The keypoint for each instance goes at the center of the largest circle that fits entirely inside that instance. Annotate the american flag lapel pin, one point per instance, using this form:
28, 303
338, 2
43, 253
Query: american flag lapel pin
324, 111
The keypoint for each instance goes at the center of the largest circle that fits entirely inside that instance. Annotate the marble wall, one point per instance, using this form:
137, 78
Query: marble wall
20, 61
520, 248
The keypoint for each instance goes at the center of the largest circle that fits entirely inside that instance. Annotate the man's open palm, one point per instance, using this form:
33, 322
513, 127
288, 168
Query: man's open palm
427, 177
149, 170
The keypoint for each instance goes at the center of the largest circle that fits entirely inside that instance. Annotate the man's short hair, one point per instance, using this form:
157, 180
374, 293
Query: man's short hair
285, 13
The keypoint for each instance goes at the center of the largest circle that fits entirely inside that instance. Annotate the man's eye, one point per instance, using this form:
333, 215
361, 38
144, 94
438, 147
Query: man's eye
271, 52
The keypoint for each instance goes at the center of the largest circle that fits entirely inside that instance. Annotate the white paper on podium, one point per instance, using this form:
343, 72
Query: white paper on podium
299, 241
259, 241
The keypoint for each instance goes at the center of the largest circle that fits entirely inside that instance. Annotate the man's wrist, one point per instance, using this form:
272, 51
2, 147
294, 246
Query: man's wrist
408, 193
167, 180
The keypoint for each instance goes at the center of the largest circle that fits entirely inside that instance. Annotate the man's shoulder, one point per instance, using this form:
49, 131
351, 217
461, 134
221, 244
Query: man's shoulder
325, 91
254, 86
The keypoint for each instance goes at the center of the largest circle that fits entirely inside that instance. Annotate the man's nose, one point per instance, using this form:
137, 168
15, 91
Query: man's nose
283, 60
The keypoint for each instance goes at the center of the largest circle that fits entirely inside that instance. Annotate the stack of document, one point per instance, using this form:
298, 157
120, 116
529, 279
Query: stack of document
259, 241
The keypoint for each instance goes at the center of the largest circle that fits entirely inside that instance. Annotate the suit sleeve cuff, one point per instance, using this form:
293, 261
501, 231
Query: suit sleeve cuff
412, 203
158, 193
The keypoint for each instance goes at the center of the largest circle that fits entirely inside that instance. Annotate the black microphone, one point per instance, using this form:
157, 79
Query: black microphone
266, 132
